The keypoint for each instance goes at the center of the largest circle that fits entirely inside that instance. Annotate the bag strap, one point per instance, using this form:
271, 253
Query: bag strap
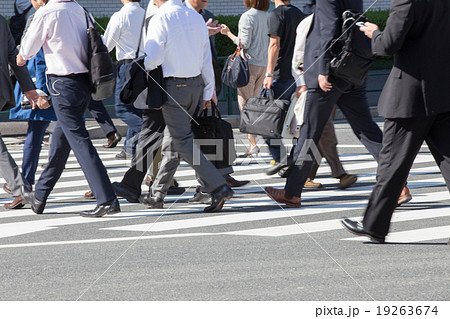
88, 18
140, 38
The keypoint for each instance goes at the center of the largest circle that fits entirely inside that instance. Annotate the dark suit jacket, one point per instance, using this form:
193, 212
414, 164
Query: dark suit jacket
417, 33
8, 53
326, 26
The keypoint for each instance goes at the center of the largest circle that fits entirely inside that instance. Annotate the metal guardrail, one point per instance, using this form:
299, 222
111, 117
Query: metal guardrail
229, 94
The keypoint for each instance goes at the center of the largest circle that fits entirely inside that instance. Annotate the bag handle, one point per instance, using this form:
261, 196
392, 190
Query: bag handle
214, 110
268, 93
236, 53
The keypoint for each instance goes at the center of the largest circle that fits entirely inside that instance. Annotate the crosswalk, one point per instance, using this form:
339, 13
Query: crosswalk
249, 213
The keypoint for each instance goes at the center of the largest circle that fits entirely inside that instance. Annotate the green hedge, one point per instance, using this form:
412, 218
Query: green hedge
225, 47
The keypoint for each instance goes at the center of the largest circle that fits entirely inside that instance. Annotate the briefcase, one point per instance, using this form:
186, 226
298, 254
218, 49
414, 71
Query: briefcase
263, 115
210, 126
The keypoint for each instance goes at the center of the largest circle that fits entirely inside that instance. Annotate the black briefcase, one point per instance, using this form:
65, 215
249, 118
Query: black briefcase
210, 126
263, 115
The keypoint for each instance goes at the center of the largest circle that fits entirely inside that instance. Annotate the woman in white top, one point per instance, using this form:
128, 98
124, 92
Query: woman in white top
252, 34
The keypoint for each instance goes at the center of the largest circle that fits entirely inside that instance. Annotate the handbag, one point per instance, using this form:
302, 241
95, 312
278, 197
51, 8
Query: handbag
263, 115
102, 72
353, 51
235, 72
209, 125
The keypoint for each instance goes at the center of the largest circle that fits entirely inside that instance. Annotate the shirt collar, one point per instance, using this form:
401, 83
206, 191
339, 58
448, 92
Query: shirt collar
189, 5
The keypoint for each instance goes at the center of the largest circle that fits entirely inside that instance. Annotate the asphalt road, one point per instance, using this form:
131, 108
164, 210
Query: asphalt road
252, 250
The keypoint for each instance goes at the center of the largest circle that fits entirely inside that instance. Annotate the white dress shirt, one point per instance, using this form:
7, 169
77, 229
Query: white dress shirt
60, 28
123, 31
177, 39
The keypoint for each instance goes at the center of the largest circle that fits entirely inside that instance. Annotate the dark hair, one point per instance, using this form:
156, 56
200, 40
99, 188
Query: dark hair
262, 5
135, 0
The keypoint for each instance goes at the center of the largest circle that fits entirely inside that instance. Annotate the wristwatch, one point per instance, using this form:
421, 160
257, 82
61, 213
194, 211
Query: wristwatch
269, 74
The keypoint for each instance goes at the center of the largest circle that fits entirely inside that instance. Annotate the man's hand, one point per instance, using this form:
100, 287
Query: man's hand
299, 90
32, 97
213, 27
368, 29
324, 84
42, 103
20, 60
268, 81
206, 104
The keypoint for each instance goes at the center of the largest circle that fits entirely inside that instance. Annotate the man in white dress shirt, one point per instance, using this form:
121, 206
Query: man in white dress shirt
178, 40
122, 33
60, 28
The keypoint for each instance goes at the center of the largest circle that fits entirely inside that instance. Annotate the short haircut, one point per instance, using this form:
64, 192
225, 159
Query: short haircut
135, 0
262, 5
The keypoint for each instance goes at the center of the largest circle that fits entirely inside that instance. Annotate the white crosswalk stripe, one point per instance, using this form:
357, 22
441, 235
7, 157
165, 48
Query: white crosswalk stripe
249, 213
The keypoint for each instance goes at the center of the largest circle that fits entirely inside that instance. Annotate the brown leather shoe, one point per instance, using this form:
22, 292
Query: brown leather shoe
17, 203
89, 195
231, 182
281, 196
311, 184
405, 196
112, 140
347, 180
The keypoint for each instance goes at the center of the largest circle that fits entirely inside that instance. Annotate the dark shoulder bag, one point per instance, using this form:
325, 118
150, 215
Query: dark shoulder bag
353, 51
102, 71
235, 72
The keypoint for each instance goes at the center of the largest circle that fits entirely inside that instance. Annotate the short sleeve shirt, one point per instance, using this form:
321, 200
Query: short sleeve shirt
283, 22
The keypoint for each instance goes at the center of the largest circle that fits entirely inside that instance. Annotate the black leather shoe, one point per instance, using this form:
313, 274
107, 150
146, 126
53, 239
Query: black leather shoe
231, 182
356, 228
219, 197
121, 191
36, 205
152, 202
277, 167
112, 140
111, 207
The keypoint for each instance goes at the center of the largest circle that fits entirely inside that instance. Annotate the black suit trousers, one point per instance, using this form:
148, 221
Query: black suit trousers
319, 104
149, 141
401, 143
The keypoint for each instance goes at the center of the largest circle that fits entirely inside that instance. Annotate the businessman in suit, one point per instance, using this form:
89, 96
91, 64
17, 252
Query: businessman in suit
324, 91
8, 167
415, 103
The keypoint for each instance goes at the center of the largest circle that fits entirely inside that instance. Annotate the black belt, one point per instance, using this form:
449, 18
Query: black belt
124, 61
177, 78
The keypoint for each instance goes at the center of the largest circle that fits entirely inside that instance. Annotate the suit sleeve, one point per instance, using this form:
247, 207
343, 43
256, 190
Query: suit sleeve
329, 15
398, 24
21, 72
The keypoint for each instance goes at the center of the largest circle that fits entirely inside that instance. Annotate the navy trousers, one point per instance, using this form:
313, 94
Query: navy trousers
319, 104
127, 113
32, 148
71, 96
